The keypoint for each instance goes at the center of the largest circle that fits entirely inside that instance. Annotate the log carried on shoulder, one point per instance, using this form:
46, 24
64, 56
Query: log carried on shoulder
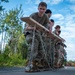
32, 22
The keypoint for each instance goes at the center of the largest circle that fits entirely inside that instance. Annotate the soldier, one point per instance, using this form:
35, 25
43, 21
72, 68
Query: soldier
57, 30
51, 24
42, 18
48, 40
57, 46
51, 21
49, 13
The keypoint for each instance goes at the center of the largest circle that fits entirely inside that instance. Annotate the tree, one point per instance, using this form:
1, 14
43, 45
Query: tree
2, 26
1, 7
14, 26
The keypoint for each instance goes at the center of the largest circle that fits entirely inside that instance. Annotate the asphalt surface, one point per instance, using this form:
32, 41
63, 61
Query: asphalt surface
21, 71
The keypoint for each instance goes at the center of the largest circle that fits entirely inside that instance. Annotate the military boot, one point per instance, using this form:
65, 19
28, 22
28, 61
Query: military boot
31, 67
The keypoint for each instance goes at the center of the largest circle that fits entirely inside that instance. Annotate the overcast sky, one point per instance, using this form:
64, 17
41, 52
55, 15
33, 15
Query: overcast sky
63, 12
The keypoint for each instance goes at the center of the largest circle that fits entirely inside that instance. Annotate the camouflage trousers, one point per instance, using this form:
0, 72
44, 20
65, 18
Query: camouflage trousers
48, 46
40, 52
58, 54
49, 50
32, 53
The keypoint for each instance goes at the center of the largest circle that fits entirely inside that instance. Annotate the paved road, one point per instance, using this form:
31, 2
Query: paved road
20, 71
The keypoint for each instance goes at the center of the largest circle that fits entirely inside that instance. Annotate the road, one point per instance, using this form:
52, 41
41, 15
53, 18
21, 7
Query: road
20, 71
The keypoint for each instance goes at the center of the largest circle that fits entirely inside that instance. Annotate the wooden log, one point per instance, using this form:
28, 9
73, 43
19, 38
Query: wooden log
32, 22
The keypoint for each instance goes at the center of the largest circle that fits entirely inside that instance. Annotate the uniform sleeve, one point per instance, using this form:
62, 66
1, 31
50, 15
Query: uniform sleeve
32, 15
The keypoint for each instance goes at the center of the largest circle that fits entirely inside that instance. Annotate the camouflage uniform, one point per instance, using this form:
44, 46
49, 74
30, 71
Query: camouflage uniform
64, 54
37, 47
60, 55
48, 41
56, 52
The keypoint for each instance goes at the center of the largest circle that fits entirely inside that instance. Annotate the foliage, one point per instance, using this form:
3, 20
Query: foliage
22, 46
9, 59
4, 57
13, 22
14, 27
70, 63
15, 51
1, 7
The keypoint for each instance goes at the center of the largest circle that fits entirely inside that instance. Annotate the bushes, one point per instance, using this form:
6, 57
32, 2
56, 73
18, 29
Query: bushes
16, 60
7, 58
70, 63
12, 60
